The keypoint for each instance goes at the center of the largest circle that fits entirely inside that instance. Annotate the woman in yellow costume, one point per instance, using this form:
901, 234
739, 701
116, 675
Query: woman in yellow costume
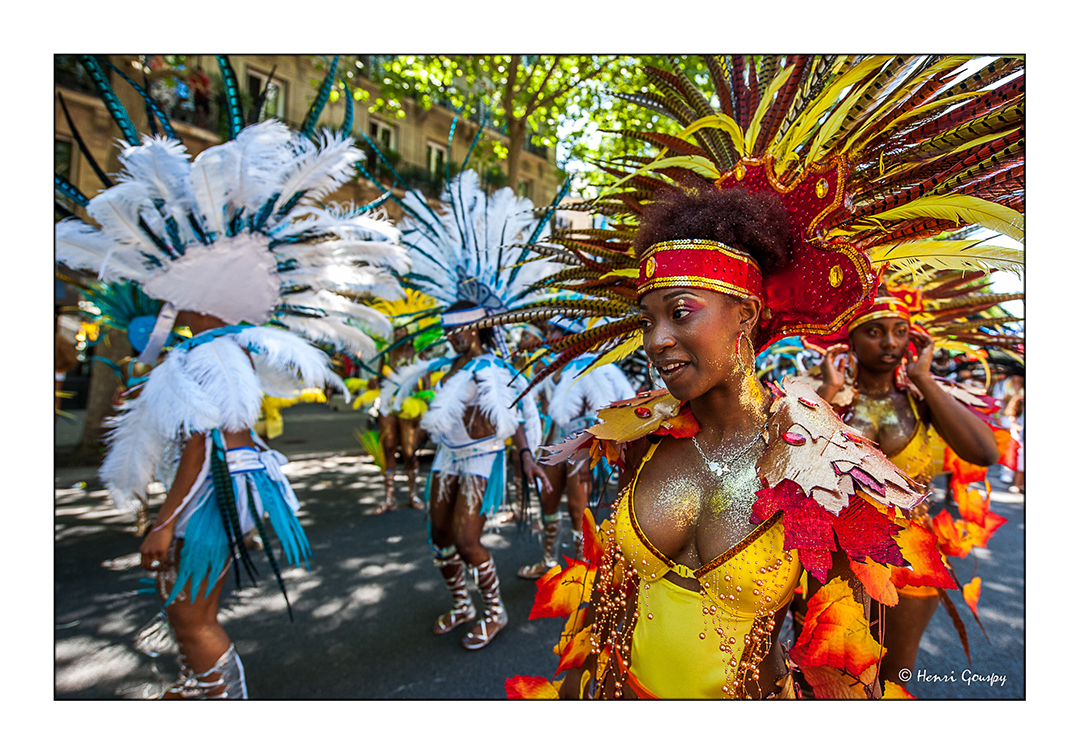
404, 389
812, 169
895, 401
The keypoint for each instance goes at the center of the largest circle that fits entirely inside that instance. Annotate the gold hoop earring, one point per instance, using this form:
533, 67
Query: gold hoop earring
747, 368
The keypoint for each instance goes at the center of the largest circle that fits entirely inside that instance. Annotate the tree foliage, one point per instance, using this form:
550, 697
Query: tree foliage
542, 99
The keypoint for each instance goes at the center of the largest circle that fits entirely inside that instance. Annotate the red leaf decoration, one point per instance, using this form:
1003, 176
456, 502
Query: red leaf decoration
593, 547
877, 580
864, 532
980, 536
807, 526
835, 633
973, 504
896, 692
530, 688
1007, 447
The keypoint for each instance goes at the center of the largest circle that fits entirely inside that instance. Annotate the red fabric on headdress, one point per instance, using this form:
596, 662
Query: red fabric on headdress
824, 282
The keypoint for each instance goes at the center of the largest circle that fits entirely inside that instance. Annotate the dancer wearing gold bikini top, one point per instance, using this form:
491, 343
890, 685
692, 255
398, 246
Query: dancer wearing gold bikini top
701, 558
905, 428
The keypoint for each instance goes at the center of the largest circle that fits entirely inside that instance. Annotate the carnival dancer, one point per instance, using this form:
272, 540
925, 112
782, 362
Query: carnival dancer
461, 258
242, 248
779, 210
571, 397
399, 426
894, 400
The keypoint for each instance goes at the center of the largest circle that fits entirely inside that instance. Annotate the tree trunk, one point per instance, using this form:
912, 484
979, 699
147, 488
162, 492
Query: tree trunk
516, 132
102, 387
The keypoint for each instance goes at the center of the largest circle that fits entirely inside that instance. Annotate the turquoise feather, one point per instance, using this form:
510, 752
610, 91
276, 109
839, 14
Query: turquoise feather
108, 96
307, 128
234, 107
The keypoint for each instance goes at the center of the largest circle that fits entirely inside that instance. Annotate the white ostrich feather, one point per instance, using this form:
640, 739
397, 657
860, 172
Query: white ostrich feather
578, 393
118, 210
226, 375
401, 383
496, 396
261, 154
333, 332
244, 172
284, 361
343, 220
135, 450
376, 322
83, 247
319, 169
447, 409
370, 281
466, 252
162, 167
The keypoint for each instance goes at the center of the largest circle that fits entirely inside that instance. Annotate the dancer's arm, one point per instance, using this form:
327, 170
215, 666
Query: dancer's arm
528, 463
155, 547
967, 435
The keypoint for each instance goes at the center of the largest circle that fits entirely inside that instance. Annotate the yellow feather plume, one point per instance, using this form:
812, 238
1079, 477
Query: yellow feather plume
722, 122
950, 255
961, 208
763, 107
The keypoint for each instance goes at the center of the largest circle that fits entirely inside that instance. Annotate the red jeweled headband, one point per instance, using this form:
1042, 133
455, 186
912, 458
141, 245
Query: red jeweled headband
699, 263
884, 307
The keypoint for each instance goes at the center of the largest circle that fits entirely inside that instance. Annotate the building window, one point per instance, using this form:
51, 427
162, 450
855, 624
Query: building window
436, 160
525, 188
385, 137
274, 104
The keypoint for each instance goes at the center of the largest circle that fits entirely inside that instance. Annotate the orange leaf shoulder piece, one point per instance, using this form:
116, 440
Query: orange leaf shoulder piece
622, 422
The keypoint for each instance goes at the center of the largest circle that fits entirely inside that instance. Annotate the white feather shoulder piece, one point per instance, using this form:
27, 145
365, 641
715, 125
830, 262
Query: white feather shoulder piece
578, 393
285, 362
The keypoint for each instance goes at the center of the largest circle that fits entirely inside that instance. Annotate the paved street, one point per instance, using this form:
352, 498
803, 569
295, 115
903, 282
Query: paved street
363, 612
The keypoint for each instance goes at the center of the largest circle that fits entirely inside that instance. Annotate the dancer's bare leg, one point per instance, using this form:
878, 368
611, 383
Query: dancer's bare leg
388, 438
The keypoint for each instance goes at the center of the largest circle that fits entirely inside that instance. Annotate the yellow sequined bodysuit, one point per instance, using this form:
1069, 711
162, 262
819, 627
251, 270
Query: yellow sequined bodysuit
689, 644
920, 459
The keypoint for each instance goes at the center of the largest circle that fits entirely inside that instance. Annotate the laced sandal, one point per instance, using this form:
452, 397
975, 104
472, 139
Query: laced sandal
579, 544
551, 541
388, 504
452, 569
415, 501
481, 635
229, 682
537, 570
142, 522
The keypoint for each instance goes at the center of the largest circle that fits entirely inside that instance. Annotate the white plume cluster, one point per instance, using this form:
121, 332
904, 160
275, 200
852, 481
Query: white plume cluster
305, 265
217, 384
464, 250
578, 393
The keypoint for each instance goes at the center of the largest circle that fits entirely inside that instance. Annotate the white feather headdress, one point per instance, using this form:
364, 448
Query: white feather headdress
235, 233
470, 247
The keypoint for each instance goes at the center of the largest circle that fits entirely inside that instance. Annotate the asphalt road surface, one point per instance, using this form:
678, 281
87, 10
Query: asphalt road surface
364, 611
